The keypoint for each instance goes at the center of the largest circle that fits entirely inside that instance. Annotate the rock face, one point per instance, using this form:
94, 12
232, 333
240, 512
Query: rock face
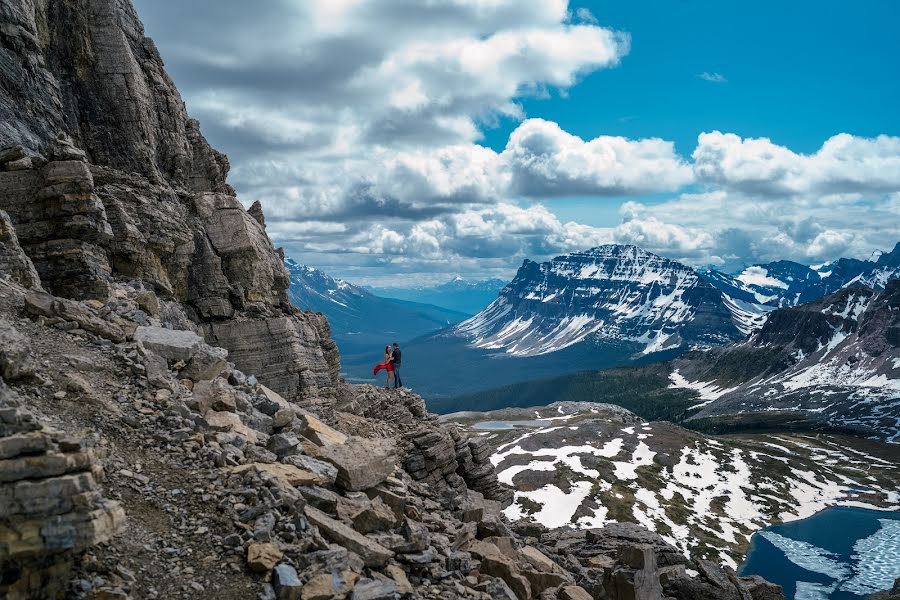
49, 501
132, 190
14, 263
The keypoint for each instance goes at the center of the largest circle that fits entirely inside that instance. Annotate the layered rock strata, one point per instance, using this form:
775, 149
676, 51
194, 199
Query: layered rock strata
50, 503
132, 191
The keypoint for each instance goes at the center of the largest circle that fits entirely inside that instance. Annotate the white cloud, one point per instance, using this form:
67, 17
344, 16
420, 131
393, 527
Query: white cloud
357, 123
546, 161
844, 164
712, 77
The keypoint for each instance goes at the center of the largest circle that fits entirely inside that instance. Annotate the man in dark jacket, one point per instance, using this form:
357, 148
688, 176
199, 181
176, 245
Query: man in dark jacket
396, 357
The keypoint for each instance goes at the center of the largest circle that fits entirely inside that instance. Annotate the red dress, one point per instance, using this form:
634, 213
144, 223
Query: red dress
387, 365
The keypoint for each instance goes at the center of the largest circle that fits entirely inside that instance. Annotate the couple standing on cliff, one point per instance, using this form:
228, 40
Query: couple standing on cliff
391, 364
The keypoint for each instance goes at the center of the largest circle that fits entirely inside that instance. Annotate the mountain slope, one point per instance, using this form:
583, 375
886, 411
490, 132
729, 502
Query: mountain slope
785, 283
587, 464
832, 363
362, 322
459, 294
612, 292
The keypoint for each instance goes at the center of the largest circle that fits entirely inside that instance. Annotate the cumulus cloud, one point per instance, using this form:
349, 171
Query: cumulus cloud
545, 161
844, 164
357, 124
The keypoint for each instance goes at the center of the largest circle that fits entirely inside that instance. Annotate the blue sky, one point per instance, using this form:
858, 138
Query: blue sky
394, 141
795, 72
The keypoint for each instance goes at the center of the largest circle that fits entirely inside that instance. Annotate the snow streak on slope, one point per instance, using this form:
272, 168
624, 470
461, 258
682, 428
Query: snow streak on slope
833, 362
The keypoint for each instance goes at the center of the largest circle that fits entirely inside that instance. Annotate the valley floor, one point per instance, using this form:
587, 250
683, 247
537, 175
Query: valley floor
585, 465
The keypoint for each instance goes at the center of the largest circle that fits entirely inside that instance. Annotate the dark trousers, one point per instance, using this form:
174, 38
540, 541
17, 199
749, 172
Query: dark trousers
397, 382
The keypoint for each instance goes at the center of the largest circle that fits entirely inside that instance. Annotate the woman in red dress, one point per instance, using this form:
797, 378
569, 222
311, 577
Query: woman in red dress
387, 365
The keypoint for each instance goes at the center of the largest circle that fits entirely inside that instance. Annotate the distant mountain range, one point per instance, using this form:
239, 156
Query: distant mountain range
786, 283
619, 305
831, 364
610, 306
361, 322
459, 294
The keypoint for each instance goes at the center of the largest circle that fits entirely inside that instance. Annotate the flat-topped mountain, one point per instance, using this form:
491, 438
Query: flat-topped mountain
614, 292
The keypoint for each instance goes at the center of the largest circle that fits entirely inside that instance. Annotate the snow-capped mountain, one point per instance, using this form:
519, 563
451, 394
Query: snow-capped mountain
460, 294
613, 292
833, 362
786, 283
361, 321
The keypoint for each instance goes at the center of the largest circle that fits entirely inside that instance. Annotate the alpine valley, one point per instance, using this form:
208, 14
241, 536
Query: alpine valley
363, 323
174, 422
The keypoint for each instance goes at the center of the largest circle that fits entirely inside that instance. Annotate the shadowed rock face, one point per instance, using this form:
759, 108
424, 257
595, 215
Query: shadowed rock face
132, 190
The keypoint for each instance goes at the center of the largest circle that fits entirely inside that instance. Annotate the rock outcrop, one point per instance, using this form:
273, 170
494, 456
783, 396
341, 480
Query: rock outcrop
106, 178
50, 504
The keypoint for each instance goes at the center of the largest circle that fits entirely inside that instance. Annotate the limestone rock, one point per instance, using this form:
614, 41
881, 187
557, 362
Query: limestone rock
372, 553
287, 353
15, 353
361, 463
290, 474
262, 558
207, 363
286, 583
327, 586
49, 503
171, 344
46, 305
14, 263
320, 433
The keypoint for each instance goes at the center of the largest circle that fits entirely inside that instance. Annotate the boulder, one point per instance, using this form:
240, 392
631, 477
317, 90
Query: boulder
207, 363
573, 592
172, 344
216, 395
318, 432
15, 353
326, 472
262, 558
361, 463
289, 474
229, 421
372, 553
14, 263
328, 586
286, 582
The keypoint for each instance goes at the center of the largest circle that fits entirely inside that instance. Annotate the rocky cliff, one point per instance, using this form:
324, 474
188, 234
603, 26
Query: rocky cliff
146, 336
106, 178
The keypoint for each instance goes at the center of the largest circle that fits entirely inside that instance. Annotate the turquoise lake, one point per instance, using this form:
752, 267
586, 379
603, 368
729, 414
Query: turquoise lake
840, 553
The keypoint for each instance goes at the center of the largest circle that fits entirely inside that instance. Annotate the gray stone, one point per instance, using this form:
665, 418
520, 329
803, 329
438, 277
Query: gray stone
326, 471
15, 353
372, 553
361, 463
207, 363
171, 344
286, 583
